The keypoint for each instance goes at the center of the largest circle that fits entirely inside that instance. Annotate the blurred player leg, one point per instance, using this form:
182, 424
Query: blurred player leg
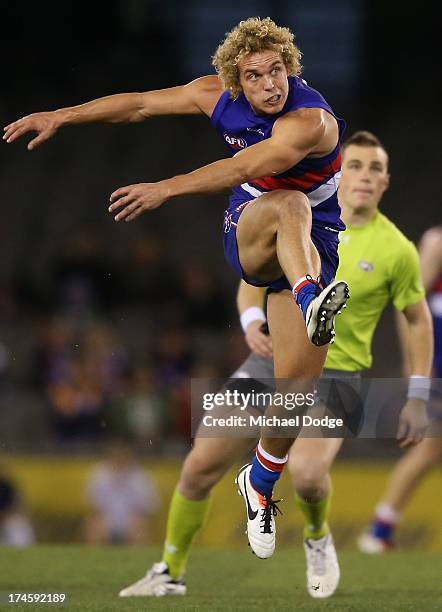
406, 476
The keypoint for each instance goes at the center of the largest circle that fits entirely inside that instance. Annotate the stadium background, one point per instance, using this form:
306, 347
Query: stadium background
101, 326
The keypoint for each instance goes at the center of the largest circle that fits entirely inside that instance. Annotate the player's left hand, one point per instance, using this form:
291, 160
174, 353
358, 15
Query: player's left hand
413, 422
136, 199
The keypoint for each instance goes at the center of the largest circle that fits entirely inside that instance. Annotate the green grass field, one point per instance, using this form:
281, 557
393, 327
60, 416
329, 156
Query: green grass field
222, 580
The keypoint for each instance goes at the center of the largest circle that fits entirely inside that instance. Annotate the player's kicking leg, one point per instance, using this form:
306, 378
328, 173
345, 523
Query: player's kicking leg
203, 468
275, 239
309, 465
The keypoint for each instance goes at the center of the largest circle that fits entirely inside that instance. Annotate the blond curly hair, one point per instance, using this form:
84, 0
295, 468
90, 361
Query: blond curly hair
249, 36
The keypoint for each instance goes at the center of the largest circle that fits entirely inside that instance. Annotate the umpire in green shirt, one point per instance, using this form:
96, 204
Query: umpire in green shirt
380, 264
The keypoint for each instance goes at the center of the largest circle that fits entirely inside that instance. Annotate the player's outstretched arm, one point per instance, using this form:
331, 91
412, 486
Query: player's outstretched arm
413, 419
198, 97
293, 138
250, 303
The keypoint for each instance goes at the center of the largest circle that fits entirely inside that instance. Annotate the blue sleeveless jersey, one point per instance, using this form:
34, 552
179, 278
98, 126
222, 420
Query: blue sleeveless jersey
317, 177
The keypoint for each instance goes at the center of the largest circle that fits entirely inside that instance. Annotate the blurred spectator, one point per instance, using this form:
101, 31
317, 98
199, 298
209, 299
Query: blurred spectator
84, 278
121, 498
15, 527
173, 356
150, 279
143, 412
4, 363
8, 305
106, 355
205, 305
181, 396
78, 369
77, 402
50, 360
181, 408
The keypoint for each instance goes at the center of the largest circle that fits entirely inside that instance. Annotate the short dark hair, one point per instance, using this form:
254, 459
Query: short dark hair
363, 138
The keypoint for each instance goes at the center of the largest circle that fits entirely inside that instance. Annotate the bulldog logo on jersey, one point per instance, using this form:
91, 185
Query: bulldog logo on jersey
234, 142
227, 222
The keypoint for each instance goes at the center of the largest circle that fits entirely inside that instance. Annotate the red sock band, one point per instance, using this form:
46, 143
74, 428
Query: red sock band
273, 466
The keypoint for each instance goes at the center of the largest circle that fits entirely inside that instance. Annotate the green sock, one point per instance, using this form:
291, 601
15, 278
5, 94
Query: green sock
316, 514
185, 518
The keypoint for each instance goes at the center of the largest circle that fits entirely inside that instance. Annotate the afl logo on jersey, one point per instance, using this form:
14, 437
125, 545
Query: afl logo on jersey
365, 266
234, 142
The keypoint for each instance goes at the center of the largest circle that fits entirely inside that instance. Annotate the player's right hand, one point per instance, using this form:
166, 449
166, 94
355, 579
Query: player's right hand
45, 124
413, 422
259, 343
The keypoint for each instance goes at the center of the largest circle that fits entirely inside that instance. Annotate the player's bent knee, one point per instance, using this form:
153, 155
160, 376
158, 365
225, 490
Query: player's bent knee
293, 202
308, 476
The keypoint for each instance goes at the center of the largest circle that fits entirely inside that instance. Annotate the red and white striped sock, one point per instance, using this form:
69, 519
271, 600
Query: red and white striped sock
270, 462
266, 470
302, 282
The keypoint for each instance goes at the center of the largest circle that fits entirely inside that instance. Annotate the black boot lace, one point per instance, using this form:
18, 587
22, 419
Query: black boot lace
271, 509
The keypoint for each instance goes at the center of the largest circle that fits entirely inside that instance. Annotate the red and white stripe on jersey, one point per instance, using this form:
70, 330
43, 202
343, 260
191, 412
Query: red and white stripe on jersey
318, 185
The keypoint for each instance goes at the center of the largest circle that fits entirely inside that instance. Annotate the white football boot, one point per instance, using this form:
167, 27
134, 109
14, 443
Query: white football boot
371, 545
322, 567
261, 528
156, 583
322, 310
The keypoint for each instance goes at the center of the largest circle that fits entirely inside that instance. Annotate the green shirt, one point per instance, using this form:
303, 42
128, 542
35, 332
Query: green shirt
379, 263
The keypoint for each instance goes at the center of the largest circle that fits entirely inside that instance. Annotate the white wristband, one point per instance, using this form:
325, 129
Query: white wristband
419, 387
254, 313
